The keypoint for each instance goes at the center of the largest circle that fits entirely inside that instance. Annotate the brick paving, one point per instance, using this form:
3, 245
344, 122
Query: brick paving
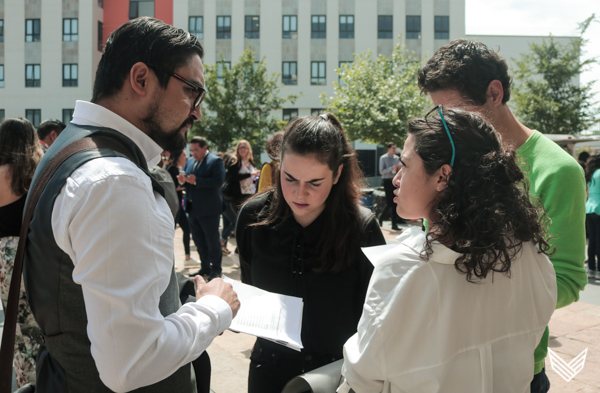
572, 330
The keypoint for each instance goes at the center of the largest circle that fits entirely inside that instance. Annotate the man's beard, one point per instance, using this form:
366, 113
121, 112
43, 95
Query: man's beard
167, 139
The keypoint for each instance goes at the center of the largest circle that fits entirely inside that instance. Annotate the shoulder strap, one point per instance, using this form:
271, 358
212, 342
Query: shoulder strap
10, 314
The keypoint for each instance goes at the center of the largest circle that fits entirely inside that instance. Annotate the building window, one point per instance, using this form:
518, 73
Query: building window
252, 26
1, 75
1, 115
346, 26
384, 26
413, 27
70, 30
317, 73
224, 27
442, 27
139, 8
34, 116
32, 75
290, 26
197, 26
289, 74
318, 27
101, 5
100, 38
316, 111
70, 75
289, 114
1, 30
32, 30
342, 63
67, 116
220, 65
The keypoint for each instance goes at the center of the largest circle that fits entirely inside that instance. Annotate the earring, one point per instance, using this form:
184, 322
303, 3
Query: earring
438, 188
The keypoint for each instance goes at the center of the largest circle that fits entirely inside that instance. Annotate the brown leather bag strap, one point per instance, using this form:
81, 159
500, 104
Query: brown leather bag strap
10, 314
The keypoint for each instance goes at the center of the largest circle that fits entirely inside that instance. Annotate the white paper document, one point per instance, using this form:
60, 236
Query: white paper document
268, 315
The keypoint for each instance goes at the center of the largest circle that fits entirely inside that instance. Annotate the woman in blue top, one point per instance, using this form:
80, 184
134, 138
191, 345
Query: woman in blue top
592, 212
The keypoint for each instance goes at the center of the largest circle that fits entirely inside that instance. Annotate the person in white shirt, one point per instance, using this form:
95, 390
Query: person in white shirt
101, 287
462, 307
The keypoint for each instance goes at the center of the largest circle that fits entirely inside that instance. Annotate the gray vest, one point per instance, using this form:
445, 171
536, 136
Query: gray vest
66, 363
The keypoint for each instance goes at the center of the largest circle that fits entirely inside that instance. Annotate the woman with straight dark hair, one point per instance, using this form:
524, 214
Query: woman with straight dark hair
303, 239
462, 307
592, 213
20, 152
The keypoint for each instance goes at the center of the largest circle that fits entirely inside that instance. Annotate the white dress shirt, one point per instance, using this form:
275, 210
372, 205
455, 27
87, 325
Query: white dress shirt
119, 234
424, 328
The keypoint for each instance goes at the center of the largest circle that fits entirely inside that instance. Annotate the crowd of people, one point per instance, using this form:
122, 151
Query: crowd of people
458, 307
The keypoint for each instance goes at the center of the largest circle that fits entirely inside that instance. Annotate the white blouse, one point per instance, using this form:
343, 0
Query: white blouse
424, 328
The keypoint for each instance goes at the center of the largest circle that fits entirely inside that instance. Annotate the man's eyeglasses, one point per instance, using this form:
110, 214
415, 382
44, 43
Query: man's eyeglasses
439, 110
201, 91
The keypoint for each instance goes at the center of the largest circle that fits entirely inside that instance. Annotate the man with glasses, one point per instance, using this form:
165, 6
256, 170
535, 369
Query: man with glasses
470, 76
99, 267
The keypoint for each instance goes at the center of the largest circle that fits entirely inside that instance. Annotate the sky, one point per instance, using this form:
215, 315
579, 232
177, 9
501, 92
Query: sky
538, 17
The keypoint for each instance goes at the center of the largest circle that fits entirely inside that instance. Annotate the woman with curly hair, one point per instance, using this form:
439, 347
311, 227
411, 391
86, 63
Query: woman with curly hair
462, 307
302, 238
20, 152
592, 213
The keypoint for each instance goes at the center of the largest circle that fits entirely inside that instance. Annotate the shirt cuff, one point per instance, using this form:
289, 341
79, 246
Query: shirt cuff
220, 308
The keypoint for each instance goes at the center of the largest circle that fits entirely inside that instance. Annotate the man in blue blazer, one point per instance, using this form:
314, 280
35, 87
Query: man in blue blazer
204, 176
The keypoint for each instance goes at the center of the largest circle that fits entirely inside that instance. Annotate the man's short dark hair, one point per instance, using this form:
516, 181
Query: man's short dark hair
48, 126
160, 46
466, 66
390, 144
200, 140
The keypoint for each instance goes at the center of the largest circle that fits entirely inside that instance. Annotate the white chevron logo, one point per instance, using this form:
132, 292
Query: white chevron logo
567, 370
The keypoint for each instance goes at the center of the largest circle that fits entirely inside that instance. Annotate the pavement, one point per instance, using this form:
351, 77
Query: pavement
572, 329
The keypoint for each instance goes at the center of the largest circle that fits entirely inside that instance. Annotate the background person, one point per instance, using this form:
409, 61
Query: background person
468, 75
462, 307
20, 152
269, 170
592, 210
303, 239
388, 166
48, 131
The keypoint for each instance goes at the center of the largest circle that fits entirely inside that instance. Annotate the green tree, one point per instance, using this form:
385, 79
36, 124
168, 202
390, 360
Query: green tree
376, 96
545, 97
239, 105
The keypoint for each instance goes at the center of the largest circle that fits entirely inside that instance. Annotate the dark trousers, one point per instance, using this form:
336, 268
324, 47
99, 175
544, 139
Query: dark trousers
229, 220
388, 187
540, 382
182, 220
205, 232
593, 229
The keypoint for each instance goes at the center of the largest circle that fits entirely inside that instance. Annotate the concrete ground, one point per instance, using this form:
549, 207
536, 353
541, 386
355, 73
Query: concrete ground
572, 330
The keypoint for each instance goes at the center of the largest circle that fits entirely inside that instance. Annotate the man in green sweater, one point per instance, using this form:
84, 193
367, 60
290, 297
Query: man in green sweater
470, 76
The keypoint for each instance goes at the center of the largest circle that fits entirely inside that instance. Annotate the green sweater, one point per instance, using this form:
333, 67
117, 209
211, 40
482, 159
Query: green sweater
557, 180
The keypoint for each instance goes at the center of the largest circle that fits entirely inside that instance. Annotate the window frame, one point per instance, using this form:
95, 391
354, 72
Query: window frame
251, 30
438, 33
33, 36
290, 114
413, 33
1, 30
33, 119
221, 65
70, 82
346, 32
316, 111
33, 82
100, 36
321, 26
1, 76
198, 33
2, 115
68, 37
134, 8
289, 34
70, 115
385, 34
319, 80
290, 77
225, 34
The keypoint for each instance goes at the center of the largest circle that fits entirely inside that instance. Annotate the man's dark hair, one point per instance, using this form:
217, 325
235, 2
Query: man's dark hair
48, 126
583, 156
200, 140
160, 46
466, 66
390, 144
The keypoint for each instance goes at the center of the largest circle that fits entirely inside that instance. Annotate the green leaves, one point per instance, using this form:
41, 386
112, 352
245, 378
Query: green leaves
545, 97
239, 105
376, 96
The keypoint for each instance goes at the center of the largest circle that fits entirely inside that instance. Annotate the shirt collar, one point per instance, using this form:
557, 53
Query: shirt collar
90, 114
414, 238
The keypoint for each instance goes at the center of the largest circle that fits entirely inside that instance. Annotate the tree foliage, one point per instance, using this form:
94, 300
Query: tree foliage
376, 96
240, 105
545, 97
